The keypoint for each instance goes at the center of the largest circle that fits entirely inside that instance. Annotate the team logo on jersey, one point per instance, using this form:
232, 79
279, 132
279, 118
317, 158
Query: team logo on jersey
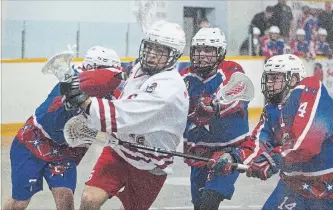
140, 139
151, 87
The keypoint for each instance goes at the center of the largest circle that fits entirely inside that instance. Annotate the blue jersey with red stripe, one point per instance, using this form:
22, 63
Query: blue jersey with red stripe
301, 130
43, 132
52, 116
231, 124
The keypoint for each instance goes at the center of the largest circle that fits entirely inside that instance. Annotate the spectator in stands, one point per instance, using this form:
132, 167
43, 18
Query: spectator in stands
256, 45
263, 20
321, 46
308, 22
273, 45
325, 20
300, 46
282, 18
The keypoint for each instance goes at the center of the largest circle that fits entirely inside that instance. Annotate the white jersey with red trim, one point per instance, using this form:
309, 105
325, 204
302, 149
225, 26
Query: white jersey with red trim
152, 111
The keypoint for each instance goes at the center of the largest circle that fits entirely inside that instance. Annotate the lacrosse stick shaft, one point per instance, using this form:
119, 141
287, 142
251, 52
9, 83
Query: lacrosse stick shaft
237, 167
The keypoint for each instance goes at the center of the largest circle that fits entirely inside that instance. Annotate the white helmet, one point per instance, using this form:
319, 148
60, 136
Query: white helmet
287, 65
256, 31
300, 32
165, 34
101, 57
322, 31
274, 30
214, 39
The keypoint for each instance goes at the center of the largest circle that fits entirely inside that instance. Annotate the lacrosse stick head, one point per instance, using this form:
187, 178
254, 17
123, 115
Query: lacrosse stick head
59, 65
78, 134
146, 14
239, 87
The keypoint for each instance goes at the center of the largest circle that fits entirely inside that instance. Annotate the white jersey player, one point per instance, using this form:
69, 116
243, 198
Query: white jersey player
152, 111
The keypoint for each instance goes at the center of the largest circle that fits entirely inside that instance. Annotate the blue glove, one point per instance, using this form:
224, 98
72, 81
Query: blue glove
222, 164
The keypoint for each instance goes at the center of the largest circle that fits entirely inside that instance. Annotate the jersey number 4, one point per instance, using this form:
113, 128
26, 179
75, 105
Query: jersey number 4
284, 205
302, 109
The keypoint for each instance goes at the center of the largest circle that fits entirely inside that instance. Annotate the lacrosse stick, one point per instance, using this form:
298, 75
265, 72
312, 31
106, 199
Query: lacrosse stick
77, 133
59, 65
146, 14
239, 87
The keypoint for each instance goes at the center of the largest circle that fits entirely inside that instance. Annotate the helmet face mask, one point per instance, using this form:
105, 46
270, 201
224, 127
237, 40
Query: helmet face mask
155, 57
205, 59
281, 74
274, 86
208, 49
163, 44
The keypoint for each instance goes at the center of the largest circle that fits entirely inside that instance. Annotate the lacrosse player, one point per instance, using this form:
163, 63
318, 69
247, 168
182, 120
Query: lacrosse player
40, 150
294, 135
151, 111
211, 129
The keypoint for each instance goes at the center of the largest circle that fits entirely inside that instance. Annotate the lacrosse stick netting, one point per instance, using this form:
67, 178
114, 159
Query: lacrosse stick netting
239, 87
60, 65
77, 133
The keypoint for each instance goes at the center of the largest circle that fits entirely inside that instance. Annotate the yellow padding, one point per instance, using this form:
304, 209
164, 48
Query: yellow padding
254, 113
12, 128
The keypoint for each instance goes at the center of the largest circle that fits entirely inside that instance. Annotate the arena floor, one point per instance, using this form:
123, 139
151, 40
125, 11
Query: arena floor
249, 194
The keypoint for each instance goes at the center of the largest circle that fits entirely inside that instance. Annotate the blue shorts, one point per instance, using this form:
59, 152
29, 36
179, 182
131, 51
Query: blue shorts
283, 197
221, 184
27, 172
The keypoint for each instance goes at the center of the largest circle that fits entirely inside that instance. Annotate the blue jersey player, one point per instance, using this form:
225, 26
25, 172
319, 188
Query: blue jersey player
295, 136
211, 130
39, 148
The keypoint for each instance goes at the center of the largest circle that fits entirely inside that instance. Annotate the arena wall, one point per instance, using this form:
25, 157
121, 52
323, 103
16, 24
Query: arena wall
24, 87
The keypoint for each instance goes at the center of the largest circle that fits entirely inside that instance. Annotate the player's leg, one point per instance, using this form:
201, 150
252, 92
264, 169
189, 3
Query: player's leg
141, 188
198, 180
210, 200
216, 190
93, 198
284, 198
63, 197
106, 179
61, 178
26, 176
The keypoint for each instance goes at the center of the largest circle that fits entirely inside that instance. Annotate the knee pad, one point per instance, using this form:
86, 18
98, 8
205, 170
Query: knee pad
210, 200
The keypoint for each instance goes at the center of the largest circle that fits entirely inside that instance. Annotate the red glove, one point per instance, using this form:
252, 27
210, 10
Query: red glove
204, 111
99, 83
264, 166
